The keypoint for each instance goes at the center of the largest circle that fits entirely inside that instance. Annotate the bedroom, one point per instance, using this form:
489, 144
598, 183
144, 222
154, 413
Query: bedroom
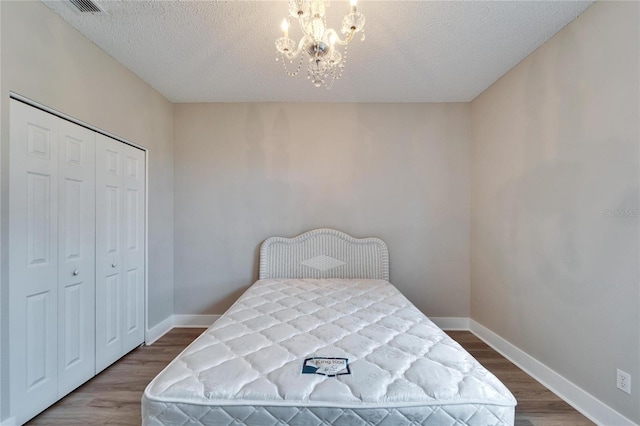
500, 233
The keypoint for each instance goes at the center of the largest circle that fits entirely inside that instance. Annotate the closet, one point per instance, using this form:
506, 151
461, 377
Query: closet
76, 255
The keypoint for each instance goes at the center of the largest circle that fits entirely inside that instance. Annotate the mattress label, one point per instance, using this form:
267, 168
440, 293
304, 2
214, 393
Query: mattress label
326, 366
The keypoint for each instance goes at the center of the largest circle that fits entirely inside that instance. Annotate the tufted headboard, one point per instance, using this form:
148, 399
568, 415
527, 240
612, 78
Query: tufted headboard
324, 253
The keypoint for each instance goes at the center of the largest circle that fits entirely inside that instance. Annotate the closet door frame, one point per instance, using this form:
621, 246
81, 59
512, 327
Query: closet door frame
64, 116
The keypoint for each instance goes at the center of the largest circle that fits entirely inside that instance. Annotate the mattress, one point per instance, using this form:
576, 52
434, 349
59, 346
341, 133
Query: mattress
246, 369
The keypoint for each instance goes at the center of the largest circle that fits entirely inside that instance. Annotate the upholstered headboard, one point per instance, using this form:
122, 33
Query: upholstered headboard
324, 253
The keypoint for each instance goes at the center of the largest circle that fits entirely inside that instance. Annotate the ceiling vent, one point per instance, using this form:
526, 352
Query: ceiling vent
86, 6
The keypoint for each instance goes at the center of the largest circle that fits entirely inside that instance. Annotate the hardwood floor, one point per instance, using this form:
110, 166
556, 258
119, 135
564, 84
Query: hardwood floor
113, 397
537, 405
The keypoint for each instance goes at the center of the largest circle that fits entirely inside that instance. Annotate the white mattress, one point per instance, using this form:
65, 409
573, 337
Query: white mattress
246, 368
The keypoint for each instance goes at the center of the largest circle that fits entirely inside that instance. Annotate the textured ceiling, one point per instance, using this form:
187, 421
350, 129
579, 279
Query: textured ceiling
415, 51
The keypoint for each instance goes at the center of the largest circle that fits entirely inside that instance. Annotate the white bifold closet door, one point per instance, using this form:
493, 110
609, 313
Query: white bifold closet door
52, 258
120, 198
76, 256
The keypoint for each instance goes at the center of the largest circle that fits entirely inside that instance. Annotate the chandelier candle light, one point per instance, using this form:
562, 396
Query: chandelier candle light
319, 43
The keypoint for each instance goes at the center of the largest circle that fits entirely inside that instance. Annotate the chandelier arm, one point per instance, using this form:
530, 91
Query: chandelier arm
303, 24
344, 42
291, 55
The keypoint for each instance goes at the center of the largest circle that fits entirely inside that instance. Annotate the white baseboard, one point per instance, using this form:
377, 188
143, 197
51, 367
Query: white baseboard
592, 408
176, 321
197, 321
11, 421
451, 323
157, 331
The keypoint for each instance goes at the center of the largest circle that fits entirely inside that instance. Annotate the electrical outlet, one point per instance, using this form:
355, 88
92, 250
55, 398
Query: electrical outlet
623, 381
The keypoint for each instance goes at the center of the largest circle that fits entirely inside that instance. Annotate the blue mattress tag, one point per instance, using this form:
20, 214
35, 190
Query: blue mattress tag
326, 366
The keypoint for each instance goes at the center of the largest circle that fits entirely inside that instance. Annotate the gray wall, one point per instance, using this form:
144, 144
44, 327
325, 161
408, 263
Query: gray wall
245, 172
46, 60
554, 162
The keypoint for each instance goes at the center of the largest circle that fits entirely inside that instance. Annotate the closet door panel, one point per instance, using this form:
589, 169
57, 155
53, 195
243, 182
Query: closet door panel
112, 291
33, 233
109, 253
76, 248
134, 261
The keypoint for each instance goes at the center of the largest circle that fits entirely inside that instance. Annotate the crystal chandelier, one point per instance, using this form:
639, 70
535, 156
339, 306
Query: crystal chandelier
320, 44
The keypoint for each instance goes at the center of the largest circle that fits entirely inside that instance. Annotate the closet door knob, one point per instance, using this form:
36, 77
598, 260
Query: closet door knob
114, 264
76, 272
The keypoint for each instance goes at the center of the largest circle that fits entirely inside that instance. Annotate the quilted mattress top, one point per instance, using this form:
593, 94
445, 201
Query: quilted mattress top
253, 354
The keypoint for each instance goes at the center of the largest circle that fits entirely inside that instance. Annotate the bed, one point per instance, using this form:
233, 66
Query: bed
324, 305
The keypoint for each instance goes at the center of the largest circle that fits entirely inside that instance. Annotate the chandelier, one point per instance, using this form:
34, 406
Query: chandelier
321, 45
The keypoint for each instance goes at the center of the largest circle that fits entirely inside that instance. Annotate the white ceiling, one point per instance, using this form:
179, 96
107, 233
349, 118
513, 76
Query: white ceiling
415, 51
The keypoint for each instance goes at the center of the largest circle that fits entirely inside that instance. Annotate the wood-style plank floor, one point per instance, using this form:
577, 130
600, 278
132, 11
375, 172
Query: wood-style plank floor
113, 397
537, 405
